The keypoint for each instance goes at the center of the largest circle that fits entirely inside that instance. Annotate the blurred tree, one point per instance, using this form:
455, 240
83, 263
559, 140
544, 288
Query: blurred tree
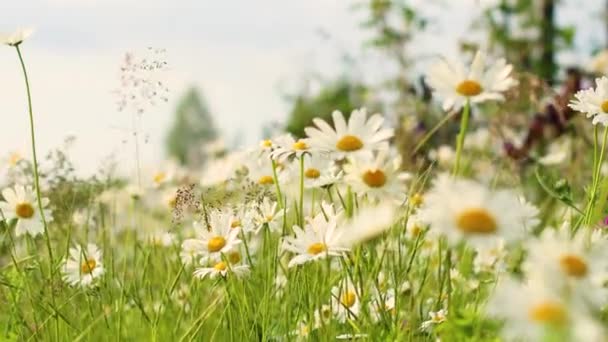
192, 128
527, 34
342, 95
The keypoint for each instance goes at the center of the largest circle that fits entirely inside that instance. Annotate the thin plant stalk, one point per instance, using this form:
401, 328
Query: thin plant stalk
464, 123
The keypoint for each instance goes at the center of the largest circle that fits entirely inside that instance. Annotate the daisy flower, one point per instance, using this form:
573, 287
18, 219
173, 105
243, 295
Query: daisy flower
368, 223
377, 176
532, 309
360, 134
570, 265
319, 239
83, 266
464, 209
436, 317
213, 241
260, 170
319, 171
286, 146
268, 213
16, 37
482, 82
222, 269
593, 101
347, 302
20, 203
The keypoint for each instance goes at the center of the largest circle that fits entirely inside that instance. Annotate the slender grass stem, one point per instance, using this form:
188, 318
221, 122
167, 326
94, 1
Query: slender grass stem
464, 123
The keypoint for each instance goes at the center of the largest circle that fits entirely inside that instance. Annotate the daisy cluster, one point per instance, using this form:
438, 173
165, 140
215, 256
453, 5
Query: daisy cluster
321, 236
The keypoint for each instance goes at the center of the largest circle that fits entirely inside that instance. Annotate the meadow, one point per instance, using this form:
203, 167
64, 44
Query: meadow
486, 221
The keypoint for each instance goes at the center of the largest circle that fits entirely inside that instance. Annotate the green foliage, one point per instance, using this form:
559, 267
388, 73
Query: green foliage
192, 128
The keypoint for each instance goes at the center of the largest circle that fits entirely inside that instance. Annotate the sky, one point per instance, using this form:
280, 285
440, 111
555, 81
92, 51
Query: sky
242, 54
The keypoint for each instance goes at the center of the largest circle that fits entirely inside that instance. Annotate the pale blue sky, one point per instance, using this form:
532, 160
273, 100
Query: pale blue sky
242, 54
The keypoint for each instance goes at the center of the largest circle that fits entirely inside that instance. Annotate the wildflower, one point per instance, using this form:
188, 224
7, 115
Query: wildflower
436, 317
20, 203
213, 241
360, 134
532, 309
377, 176
83, 266
319, 171
464, 209
223, 269
569, 264
593, 101
483, 82
286, 146
268, 214
16, 37
368, 223
319, 239
347, 302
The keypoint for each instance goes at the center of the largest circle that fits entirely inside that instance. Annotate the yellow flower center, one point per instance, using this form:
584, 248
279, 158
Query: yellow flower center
349, 298
159, 177
573, 265
220, 266
604, 106
88, 266
300, 145
469, 88
416, 230
266, 180
172, 201
476, 221
548, 312
267, 143
234, 257
316, 248
14, 158
24, 210
312, 173
349, 143
374, 179
416, 200
216, 244
235, 223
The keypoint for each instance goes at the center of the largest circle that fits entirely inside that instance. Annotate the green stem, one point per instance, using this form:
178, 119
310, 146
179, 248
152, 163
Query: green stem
35, 158
37, 175
596, 177
276, 183
302, 190
464, 123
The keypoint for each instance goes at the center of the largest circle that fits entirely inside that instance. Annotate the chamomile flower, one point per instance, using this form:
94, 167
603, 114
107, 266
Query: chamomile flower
16, 37
319, 171
20, 203
436, 317
346, 303
464, 209
212, 241
376, 176
483, 81
83, 266
223, 269
569, 264
320, 238
286, 146
593, 101
358, 135
260, 171
268, 214
533, 309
